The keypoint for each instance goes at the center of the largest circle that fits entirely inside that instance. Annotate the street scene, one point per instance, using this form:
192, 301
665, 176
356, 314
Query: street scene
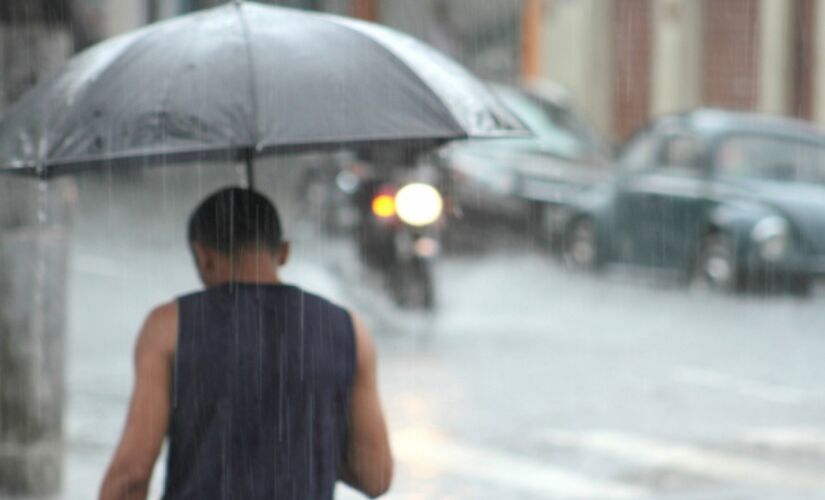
527, 382
587, 239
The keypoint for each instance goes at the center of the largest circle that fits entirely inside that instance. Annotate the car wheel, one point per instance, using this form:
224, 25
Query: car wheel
716, 266
536, 227
552, 228
581, 247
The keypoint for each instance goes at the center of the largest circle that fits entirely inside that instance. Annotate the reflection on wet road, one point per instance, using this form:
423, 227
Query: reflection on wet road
629, 387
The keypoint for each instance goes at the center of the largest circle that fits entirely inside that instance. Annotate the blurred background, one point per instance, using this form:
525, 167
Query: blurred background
626, 305
623, 61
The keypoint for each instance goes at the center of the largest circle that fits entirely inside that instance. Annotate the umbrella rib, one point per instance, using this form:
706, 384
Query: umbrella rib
253, 93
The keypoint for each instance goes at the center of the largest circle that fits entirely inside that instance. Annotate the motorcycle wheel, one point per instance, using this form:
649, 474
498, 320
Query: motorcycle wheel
800, 286
716, 266
412, 286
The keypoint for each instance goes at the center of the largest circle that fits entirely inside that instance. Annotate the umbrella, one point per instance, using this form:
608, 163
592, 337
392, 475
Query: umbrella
239, 81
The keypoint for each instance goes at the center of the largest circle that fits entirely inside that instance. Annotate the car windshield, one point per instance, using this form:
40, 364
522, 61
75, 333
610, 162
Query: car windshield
558, 129
772, 158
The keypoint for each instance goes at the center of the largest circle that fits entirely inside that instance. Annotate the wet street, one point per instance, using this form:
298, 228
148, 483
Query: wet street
527, 382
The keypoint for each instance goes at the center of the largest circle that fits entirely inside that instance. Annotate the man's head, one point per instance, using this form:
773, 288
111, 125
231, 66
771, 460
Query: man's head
235, 235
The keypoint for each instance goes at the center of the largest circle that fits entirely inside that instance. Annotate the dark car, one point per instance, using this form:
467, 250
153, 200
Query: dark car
516, 180
728, 199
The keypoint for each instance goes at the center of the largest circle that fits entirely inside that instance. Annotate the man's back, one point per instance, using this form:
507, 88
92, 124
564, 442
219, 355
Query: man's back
263, 375
264, 391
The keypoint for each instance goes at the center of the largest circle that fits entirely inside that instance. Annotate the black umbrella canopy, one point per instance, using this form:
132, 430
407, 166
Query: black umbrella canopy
244, 79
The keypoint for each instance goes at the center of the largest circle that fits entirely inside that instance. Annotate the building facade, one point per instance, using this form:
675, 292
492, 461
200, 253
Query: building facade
626, 61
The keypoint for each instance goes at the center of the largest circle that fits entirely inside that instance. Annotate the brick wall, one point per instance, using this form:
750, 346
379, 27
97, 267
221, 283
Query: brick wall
731, 53
632, 64
803, 57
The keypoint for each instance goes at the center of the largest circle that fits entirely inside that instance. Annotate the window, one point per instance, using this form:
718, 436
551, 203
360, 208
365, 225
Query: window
552, 124
683, 151
638, 154
772, 157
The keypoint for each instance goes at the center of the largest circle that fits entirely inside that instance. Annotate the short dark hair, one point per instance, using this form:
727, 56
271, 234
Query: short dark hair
234, 219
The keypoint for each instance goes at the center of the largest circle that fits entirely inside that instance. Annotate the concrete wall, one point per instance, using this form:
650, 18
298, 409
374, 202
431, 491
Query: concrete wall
26, 53
122, 16
34, 242
677, 55
33, 250
819, 71
576, 53
775, 61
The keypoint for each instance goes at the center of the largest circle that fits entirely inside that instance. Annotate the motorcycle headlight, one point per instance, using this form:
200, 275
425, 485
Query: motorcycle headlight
773, 237
383, 206
418, 204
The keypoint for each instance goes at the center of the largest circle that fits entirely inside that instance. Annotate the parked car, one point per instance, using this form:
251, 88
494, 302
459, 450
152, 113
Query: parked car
521, 180
729, 199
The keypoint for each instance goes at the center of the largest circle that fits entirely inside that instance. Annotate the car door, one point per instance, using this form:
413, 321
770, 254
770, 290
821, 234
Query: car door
666, 204
637, 161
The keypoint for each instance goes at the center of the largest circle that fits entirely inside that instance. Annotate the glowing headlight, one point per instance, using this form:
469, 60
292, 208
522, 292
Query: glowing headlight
773, 236
418, 204
383, 206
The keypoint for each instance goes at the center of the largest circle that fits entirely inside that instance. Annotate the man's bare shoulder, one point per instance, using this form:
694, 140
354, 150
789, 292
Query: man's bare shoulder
164, 314
160, 329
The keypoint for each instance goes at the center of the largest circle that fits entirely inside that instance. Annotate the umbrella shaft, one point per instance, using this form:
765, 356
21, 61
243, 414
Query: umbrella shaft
250, 169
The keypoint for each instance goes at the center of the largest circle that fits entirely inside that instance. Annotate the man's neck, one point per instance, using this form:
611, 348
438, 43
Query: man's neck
257, 267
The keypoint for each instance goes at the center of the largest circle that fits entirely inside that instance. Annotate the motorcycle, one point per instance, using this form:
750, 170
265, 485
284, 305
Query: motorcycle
400, 214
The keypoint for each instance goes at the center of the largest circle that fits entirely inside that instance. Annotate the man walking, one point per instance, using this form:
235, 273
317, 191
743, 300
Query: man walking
264, 391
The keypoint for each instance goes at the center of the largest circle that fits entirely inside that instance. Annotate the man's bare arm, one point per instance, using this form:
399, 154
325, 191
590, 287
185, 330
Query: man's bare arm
129, 474
369, 464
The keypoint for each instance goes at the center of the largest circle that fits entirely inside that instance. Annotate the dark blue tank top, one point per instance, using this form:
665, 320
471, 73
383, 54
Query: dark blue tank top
262, 382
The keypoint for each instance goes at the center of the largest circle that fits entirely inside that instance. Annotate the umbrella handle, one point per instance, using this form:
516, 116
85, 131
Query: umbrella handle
250, 169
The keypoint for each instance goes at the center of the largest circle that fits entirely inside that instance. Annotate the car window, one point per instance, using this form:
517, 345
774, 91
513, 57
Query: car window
683, 152
771, 157
639, 153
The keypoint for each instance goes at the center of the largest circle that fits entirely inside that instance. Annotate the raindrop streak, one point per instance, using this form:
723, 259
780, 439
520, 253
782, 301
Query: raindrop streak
301, 356
261, 333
